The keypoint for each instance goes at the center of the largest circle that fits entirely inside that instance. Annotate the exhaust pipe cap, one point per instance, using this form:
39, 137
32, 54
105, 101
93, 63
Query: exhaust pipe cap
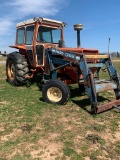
78, 27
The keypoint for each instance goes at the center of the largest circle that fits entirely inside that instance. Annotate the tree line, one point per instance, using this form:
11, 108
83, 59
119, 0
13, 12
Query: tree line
115, 54
3, 54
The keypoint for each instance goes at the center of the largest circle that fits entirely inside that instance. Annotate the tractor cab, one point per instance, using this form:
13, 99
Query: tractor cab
34, 35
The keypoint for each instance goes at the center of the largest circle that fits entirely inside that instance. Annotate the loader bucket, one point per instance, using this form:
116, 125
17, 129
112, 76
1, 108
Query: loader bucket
110, 105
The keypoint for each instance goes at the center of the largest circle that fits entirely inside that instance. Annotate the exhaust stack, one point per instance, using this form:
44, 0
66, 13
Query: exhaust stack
78, 28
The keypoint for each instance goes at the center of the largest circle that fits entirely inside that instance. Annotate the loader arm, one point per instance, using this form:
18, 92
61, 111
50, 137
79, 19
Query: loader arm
92, 86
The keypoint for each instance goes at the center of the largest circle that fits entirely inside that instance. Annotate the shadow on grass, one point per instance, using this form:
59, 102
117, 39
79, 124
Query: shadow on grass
75, 92
35, 80
85, 102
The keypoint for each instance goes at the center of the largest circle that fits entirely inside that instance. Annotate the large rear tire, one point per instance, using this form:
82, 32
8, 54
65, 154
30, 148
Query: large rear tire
56, 91
16, 69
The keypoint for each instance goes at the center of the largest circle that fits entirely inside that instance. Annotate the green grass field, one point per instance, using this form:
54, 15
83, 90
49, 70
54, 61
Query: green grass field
31, 129
2, 58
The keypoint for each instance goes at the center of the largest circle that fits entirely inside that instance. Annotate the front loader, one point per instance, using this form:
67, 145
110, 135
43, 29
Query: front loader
42, 53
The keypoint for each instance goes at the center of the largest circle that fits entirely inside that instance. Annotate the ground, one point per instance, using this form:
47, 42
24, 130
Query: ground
31, 129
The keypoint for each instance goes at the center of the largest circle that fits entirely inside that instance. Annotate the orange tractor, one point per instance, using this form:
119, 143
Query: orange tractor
42, 52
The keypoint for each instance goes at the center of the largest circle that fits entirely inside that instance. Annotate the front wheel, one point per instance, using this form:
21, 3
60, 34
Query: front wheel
56, 91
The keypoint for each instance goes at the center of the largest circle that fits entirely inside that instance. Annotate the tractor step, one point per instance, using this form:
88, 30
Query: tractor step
103, 85
110, 105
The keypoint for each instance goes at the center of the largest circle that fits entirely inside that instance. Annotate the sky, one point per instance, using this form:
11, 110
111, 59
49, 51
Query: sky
100, 19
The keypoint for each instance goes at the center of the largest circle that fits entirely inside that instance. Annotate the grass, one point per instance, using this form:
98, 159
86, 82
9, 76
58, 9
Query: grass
2, 58
32, 129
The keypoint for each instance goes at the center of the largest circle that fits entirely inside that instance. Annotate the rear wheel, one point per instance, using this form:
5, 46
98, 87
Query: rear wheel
16, 69
55, 91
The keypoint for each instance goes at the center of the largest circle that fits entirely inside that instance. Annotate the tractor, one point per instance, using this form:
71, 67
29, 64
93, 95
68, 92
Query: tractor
42, 52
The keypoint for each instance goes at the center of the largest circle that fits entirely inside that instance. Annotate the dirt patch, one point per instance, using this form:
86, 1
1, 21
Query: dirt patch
15, 152
15, 133
48, 150
3, 103
110, 138
117, 136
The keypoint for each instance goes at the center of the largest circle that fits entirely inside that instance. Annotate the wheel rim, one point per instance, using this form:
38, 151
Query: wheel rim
11, 70
54, 94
